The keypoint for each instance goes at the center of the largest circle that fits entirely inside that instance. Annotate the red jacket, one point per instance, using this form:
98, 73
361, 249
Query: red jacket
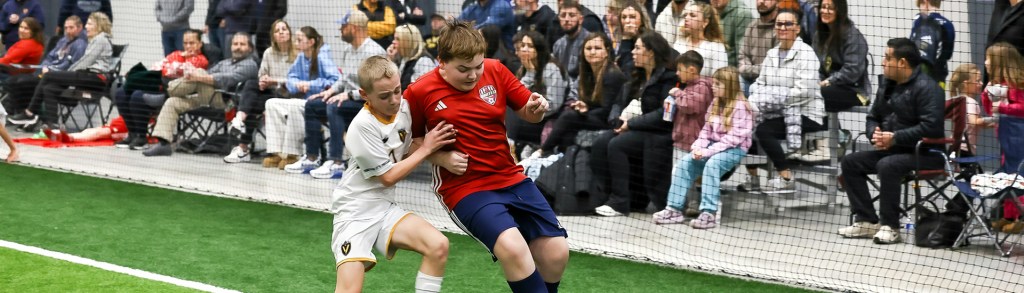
1012, 105
27, 51
174, 64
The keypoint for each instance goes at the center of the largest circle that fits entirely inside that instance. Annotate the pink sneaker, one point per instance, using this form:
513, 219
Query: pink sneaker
668, 216
706, 220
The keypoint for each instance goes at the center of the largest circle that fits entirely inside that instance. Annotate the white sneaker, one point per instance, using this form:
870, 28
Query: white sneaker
329, 170
607, 211
303, 166
237, 155
753, 184
779, 185
860, 230
817, 155
886, 235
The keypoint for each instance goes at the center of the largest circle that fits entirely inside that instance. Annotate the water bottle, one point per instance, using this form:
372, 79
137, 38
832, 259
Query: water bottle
670, 110
907, 223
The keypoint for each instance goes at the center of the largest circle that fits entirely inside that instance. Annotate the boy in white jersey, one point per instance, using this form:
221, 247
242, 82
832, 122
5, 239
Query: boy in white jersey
365, 213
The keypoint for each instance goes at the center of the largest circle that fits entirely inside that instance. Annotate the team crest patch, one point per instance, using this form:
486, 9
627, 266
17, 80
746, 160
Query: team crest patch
346, 247
401, 134
488, 94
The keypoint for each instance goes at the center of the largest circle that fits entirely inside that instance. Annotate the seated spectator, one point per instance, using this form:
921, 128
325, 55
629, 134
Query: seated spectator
339, 104
587, 20
669, 21
702, 32
600, 85
198, 88
644, 140
313, 72
759, 37
734, 17
492, 12
138, 107
909, 107
12, 148
283, 112
566, 49
786, 95
67, 51
842, 52
532, 16
723, 141
11, 15
541, 74
410, 53
27, 51
690, 106
91, 71
381, 20
612, 25
496, 48
808, 12
634, 21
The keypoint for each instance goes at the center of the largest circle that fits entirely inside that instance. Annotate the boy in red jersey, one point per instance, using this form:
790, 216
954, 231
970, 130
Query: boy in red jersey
489, 198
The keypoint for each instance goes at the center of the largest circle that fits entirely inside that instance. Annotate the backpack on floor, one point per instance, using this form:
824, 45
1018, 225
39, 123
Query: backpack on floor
937, 230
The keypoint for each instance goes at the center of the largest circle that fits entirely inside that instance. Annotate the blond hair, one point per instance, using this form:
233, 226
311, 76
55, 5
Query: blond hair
713, 31
410, 34
723, 107
960, 75
292, 53
1005, 64
102, 23
459, 40
374, 68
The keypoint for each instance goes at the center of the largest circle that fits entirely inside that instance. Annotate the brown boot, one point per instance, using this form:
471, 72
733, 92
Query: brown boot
998, 225
1013, 228
272, 161
287, 160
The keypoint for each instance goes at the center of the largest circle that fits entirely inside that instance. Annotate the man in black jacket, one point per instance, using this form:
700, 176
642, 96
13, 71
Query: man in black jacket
909, 106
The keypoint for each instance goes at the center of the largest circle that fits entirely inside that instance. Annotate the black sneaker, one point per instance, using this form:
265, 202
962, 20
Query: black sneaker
138, 143
31, 127
158, 150
23, 118
125, 143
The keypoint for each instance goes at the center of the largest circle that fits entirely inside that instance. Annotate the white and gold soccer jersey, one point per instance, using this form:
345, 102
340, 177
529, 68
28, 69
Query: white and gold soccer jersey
365, 212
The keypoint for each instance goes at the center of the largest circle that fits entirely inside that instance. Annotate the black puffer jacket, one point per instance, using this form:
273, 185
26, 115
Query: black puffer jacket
652, 98
912, 110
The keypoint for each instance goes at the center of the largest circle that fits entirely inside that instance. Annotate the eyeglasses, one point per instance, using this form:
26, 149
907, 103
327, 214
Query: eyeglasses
785, 24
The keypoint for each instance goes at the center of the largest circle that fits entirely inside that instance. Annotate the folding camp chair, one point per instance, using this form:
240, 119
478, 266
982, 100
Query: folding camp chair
89, 98
977, 215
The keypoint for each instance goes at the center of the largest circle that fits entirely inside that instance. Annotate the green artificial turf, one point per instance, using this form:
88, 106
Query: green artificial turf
25, 272
255, 247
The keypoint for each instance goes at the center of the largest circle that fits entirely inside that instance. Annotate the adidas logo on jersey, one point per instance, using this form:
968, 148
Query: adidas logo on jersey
440, 106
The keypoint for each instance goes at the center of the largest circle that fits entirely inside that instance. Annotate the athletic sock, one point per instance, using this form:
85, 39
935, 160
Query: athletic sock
427, 283
533, 283
552, 287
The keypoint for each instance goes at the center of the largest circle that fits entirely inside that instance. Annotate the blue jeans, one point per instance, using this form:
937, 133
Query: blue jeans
338, 118
1011, 142
745, 86
172, 40
216, 36
712, 169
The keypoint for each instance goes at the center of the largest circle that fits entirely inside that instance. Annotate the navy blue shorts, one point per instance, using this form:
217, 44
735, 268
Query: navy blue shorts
486, 214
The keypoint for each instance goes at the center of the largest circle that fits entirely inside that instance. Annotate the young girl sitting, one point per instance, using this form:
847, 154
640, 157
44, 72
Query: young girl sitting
723, 141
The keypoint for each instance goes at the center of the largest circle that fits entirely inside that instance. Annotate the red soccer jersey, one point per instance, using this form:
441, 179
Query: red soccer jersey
479, 116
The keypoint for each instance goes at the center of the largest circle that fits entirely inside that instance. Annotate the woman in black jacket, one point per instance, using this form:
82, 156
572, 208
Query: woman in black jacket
600, 85
645, 139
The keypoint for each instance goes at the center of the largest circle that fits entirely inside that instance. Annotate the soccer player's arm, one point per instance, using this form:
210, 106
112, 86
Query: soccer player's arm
517, 94
374, 158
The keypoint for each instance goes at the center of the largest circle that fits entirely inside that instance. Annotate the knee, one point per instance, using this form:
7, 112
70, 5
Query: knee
437, 249
512, 249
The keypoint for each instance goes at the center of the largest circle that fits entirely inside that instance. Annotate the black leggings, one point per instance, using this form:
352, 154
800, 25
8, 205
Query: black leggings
563, 134
253, 103
48, 93
839, 98
653, 151
769, 133
20, 88
135, 111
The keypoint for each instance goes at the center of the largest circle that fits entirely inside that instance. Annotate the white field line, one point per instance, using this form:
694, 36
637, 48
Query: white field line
113, 267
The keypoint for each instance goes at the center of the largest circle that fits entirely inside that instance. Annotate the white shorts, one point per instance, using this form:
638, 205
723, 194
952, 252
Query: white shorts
362, 226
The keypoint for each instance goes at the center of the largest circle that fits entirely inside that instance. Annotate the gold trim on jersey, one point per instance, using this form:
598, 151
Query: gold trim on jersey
372, 262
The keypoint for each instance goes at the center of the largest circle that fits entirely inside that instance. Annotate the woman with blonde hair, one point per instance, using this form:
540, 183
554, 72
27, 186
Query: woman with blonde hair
268, 96
702, 32
409, 51
91, 71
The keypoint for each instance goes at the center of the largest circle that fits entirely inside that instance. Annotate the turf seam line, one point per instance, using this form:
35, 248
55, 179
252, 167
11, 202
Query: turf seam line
113, 268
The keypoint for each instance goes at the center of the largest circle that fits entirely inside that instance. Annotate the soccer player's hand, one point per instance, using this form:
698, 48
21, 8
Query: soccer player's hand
455, 162
443, 134
537, 104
